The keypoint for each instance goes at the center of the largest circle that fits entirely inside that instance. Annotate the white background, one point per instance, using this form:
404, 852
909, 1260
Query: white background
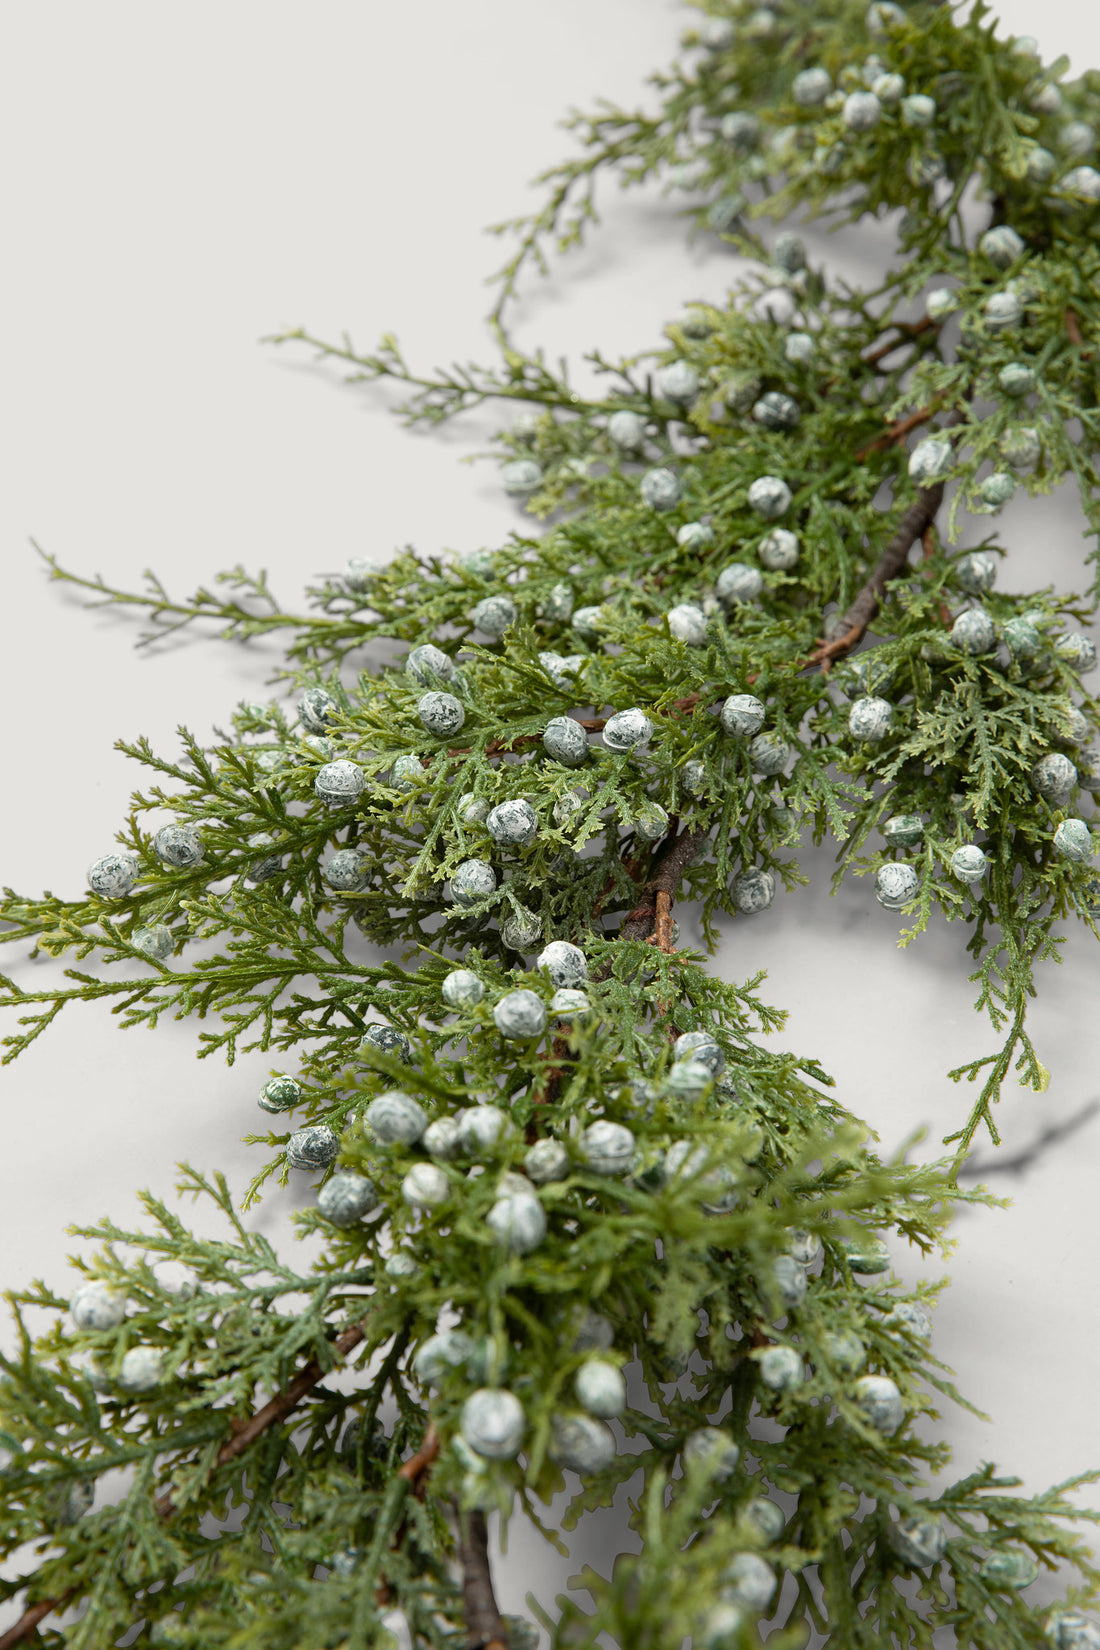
178, 181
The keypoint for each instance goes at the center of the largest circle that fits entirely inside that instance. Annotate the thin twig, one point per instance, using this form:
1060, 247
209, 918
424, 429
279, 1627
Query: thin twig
675, 856
1073, 332
485, 1629
897, 432
910, 329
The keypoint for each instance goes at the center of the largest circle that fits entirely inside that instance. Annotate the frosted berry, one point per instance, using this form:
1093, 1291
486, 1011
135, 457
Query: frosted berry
779, 550
440, 1353
973, 631
471, 809
1053, 776
141, 1370
888, 88
113, 875
769, 754
1003, 311
607, 1148
493, 1424
442, 1139
313, 1147
882, 16
879, 1399
764, 1518
395, 1118
1077, 651
387, 1040
753, 891
1074, 841
940, 304
862, 111
1083, 183
520, 477
346, 1198
586, 620
492, 617
1010, 1567
339, 783
789, 251
1041, 165
156, 942
279, 1094
688, 623
997, 490
1021, 447
777, 411
969, 863
441, 714
694, 535
346, 871
1016, 379
870, 719
930, 459
520, 1015
627, 430
903, 830
845, 1352
651, 822
545, 1161
781, 1368
701, 1046
712, 1449
799, 347
747, 1580
627, 730
741, 131
581, 1443
407, 773
678, 382
918, 1542
977, 572
472, 880
96, 1306
742, 715
512, 824
357, 574
661, 489
520, 929
270, 865
600, 1388
811, 87
738, 583
1077, 138
895, 885
179, 846
428, 664
788, 1280
518, 1223
688, 1079
565, 963
866, 1254
770, 497
693, 777
425, 1186
912, 1318
480, 1128
569, 1005
560, 668
317, 710
462, 989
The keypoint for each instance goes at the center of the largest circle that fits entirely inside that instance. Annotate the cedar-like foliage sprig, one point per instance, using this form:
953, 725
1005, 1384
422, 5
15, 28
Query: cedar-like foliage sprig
681, 1266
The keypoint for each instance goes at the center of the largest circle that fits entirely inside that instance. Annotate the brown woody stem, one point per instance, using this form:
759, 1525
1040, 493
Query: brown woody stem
485, 1629
673, 860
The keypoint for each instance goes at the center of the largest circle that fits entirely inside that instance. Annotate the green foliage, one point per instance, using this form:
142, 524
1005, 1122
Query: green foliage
739, 1230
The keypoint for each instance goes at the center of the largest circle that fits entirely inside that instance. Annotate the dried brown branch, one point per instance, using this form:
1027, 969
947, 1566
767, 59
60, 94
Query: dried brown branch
909, 331
485, 1629
673, 859
897, 432
245, 1434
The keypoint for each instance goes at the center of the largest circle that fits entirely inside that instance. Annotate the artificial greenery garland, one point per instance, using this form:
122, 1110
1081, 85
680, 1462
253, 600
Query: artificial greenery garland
549, 1148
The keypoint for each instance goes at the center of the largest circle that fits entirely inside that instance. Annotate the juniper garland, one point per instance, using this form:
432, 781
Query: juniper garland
547, 1147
